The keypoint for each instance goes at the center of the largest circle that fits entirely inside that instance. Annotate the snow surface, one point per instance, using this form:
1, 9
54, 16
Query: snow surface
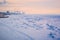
30, 27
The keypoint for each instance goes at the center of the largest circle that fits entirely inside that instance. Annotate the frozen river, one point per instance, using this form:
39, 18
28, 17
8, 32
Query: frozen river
30, 27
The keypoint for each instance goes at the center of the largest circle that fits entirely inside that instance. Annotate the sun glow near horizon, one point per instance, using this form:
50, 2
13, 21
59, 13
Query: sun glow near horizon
32, 6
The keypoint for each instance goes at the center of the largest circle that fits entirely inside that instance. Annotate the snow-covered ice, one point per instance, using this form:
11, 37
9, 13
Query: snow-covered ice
30, 27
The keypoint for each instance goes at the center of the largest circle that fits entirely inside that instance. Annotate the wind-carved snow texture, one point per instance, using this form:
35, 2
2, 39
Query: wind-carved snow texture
30, 27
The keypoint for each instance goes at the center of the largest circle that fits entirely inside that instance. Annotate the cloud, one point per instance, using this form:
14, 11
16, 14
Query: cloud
48, 4
35, 3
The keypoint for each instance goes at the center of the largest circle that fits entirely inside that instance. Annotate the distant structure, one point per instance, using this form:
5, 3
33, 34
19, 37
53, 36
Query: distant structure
3, 2
4, 14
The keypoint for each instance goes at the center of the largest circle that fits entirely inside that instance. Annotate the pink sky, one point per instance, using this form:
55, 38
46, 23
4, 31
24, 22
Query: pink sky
32, 6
